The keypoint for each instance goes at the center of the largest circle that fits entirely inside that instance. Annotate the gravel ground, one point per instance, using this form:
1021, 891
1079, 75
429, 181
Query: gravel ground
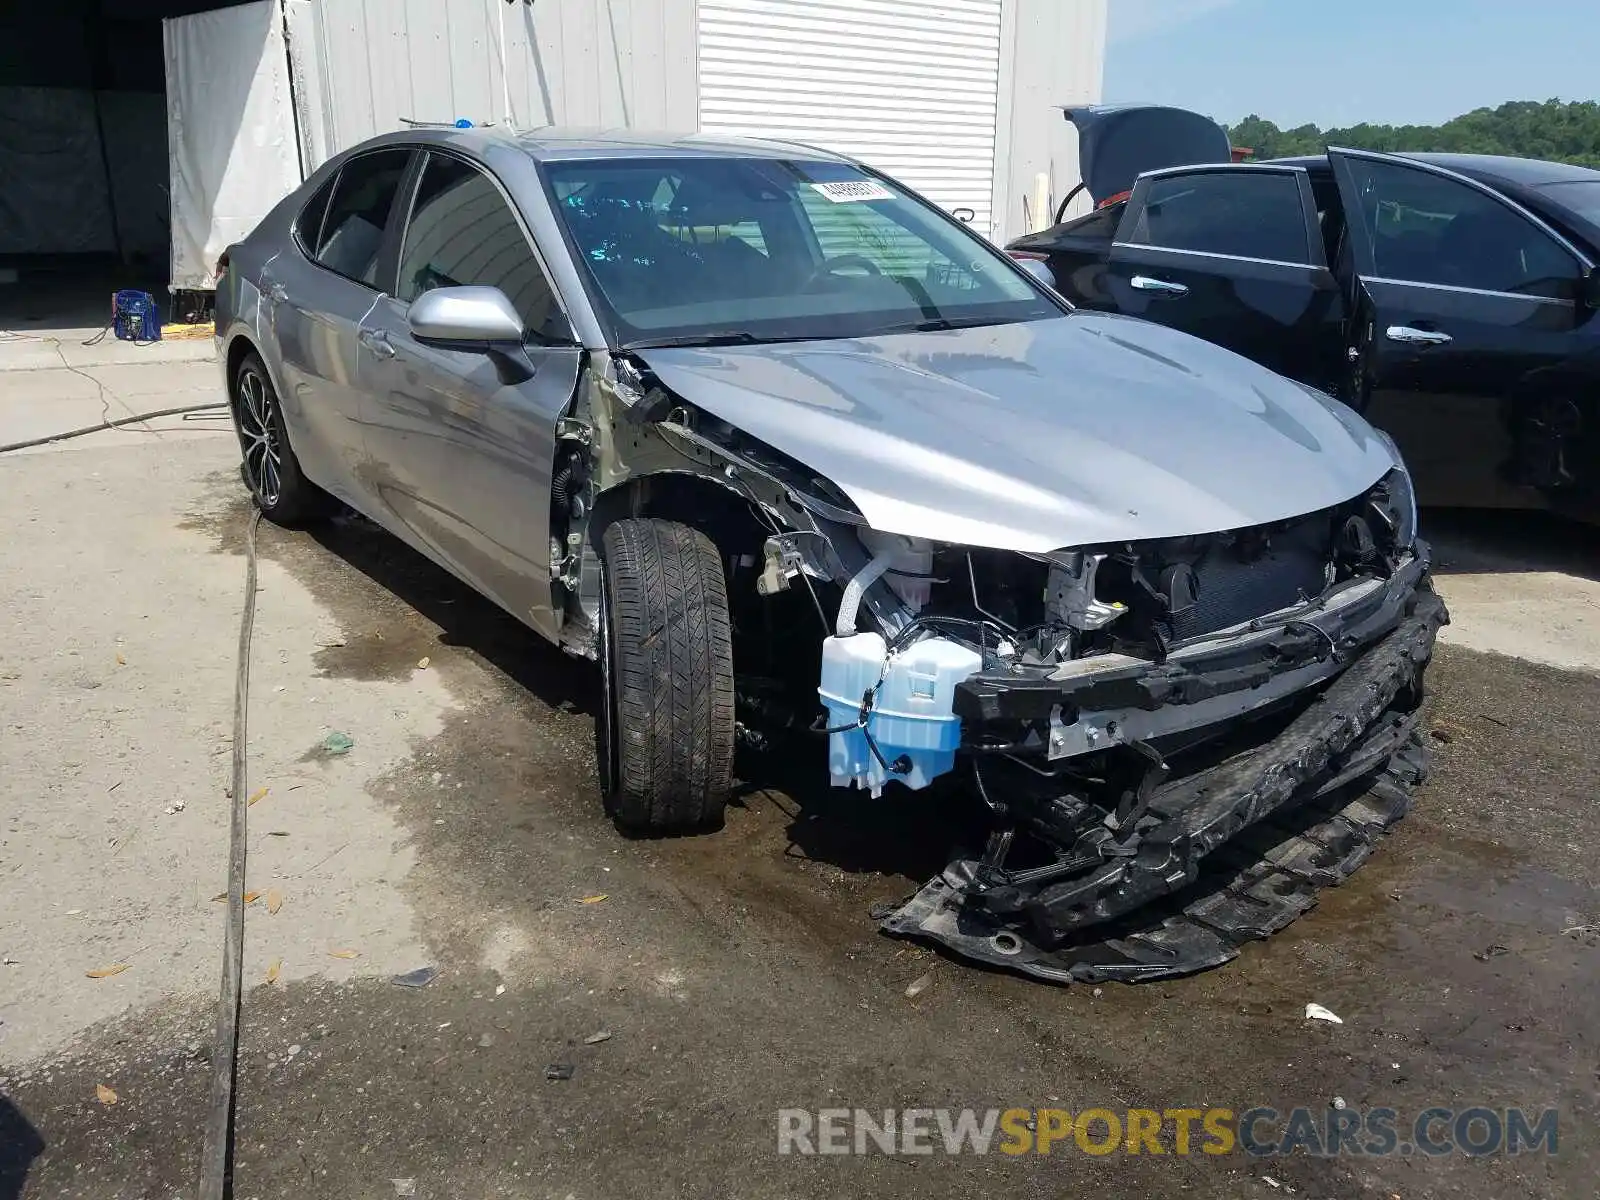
736, 973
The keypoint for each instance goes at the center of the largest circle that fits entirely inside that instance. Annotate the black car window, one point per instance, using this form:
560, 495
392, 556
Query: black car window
1244, 214
1430, 228
352, 230
462, 232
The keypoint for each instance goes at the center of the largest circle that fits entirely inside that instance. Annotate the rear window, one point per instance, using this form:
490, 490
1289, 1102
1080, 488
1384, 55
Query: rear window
1240, 213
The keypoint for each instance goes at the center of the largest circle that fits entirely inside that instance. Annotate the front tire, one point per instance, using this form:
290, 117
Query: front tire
667, 730
269, 466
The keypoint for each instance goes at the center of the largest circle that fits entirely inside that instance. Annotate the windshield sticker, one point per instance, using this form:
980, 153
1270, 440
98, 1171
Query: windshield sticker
845, 191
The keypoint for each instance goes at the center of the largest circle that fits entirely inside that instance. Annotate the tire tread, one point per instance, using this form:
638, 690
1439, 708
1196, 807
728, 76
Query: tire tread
673, 676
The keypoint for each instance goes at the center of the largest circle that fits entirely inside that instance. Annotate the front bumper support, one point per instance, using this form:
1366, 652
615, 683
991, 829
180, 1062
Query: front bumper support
1241, 850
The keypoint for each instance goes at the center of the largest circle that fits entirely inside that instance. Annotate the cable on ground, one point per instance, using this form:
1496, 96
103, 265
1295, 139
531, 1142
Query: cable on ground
216, 1158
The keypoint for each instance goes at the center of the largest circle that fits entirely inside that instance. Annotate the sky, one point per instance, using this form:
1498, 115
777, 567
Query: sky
1336, 63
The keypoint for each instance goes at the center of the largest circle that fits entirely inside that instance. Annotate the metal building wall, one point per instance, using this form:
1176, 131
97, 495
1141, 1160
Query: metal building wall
1052, 53
909, 86
363, 66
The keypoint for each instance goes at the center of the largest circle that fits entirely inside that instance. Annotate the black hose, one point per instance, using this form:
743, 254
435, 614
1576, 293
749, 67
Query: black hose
225, 1048
120, 421
559, 487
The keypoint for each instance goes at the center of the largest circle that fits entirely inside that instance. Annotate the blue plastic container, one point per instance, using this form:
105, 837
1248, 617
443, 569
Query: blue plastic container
912, 712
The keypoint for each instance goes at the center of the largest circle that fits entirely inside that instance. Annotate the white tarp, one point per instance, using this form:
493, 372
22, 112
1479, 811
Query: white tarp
230, 131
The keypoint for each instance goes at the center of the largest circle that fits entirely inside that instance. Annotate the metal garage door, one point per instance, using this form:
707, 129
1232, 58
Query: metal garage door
909, 86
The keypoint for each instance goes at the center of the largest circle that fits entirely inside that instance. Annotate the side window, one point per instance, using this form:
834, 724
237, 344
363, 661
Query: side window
1429, 228
352, 229
462, 232
308, 225
1243, 214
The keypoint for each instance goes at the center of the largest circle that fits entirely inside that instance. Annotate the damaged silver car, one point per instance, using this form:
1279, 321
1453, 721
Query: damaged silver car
782, 445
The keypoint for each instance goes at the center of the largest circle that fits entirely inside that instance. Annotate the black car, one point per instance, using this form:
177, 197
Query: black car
1452, 298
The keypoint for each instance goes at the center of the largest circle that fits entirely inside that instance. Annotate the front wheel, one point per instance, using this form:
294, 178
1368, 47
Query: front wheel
666, 645
270, 469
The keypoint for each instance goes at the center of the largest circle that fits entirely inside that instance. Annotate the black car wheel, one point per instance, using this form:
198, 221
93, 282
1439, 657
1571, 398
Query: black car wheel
270, 469
666, 730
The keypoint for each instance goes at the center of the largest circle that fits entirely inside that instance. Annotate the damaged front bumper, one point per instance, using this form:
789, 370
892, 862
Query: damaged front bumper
1235, 849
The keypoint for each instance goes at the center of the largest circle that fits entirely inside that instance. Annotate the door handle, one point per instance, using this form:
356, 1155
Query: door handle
378, 342
1417, 337
1144, 283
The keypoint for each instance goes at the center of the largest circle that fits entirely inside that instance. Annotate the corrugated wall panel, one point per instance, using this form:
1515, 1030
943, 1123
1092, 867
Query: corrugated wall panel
1054, 54
909, 86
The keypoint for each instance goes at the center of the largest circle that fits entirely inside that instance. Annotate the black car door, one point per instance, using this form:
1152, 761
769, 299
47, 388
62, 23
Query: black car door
1232, 254
1468, 309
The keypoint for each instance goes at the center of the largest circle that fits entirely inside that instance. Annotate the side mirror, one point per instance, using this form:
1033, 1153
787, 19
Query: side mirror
1039, 269
480, 316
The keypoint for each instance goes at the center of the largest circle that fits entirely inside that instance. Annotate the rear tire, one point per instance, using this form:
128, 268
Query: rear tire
269, 466
667, 731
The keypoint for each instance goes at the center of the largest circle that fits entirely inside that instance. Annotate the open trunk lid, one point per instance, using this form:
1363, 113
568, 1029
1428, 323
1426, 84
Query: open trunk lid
1119, 142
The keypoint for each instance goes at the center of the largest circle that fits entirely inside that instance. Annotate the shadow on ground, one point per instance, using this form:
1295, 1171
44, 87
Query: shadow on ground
20, 1144
1510, 541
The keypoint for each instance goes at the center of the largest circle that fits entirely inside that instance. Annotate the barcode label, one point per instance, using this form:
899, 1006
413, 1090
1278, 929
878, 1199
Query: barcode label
844, 191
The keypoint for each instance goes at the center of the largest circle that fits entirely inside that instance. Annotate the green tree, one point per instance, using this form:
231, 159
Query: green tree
1561, 131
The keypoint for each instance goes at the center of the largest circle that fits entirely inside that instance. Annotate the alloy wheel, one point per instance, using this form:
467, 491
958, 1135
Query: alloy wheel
258, 434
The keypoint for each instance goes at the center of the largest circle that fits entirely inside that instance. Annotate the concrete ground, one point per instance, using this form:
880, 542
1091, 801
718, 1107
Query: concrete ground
736, 973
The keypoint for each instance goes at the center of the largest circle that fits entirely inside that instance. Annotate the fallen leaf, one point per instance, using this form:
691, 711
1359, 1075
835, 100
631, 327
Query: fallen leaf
258, 794
918, 985
1315, 1012
104, 1094
344, 954
121, 662
249, 897
274, 970
422, 663
593, 899
594, 1039
107, 972
274, 901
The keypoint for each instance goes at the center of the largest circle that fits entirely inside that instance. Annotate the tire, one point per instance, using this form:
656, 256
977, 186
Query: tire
666, 730
268, 463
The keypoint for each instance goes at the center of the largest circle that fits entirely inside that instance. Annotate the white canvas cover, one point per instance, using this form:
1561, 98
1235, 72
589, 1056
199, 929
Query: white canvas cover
230, 130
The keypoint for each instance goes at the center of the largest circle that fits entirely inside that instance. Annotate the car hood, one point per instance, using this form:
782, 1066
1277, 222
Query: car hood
1119, 142
1040, 435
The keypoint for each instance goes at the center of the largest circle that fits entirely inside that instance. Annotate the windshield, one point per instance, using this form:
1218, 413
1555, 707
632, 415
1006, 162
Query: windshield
1582, 197
727, 249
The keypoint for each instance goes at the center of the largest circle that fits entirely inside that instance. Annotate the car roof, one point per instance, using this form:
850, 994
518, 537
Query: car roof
1486, 168
552, 143
1503, 168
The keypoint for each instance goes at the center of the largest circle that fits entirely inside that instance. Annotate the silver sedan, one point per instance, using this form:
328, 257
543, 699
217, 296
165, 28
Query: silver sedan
782, 445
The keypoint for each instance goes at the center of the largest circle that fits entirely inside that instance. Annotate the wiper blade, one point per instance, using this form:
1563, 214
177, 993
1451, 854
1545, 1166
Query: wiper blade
720, 337
933, 324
